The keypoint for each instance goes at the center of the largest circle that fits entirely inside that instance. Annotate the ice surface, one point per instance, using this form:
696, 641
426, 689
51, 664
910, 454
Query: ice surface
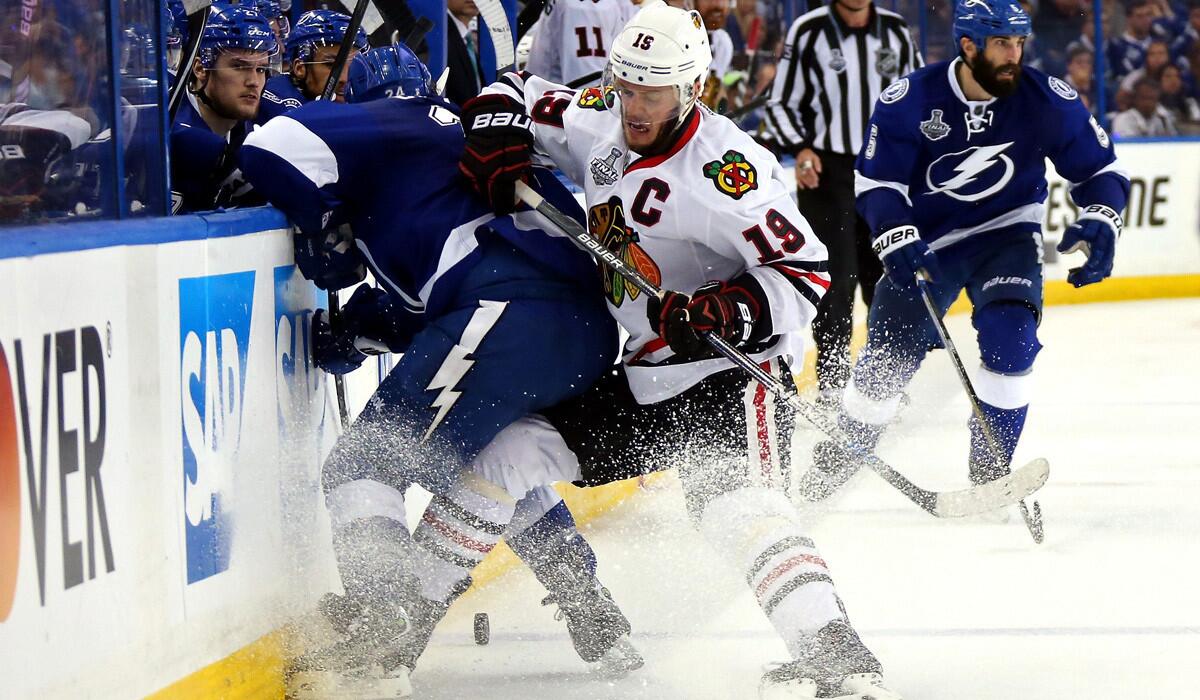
1106, 608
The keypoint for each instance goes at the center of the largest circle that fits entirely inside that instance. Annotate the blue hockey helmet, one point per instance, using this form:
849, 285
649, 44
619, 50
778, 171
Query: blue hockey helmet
979, 19
319, 28
387, 71
174, 18
235, 27
276, 12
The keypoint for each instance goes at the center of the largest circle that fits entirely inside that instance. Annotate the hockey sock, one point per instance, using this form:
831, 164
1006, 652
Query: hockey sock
1006, 425
552, 543
757, 530
456, 532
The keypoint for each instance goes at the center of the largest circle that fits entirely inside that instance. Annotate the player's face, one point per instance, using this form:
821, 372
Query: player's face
235, 83
997, 68
713, 12
314, 73
648, 114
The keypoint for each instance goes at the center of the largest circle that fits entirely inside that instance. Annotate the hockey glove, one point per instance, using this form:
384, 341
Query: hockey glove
1095, 232
370, 324
733, 310
329, 258
903, 254
499, 148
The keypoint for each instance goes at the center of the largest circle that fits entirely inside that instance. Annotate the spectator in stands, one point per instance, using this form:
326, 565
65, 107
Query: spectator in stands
1031, 54
1186, 35
462, 51
715, 14
1080, 74
1177, 97
1127, 52
1147, 117
1055, 24
1157, 58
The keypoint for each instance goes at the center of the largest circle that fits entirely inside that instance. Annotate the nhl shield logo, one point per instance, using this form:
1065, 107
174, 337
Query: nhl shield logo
934, 128
733, 175
837, 62
887, 62
604, 171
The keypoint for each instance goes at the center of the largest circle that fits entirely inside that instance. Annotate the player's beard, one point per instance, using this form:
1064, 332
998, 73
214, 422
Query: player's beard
986, 74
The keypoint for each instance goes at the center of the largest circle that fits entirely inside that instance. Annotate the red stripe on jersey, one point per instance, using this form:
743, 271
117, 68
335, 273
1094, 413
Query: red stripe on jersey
816, 278
686, 134
650, 347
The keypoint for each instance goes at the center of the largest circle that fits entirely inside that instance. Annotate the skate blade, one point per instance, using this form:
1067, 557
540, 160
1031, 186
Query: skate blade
331, 685
619, 661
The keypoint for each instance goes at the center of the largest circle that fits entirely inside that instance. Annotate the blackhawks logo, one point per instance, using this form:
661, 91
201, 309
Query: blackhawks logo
594, 98
733, 175
607, 223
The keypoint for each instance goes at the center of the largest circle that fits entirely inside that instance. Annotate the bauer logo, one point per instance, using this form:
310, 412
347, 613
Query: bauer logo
214, 341
301, 385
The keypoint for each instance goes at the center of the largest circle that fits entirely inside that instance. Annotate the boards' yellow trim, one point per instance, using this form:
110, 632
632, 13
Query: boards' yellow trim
256, 671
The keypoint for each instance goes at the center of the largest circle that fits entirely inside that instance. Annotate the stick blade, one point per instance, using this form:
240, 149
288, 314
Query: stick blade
1005, 491
502, 38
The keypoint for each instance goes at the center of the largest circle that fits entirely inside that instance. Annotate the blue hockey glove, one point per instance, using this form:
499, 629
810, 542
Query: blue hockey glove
329, 258
369, 325
1095, 232
334, 350
904, 253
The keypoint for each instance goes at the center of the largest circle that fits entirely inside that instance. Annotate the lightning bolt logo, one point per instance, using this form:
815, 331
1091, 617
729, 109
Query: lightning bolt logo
458, 361
973, 163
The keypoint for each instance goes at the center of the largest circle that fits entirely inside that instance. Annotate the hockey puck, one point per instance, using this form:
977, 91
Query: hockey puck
483, 629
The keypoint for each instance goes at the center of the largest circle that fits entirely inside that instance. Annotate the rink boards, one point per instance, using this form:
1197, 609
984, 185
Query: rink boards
161, 428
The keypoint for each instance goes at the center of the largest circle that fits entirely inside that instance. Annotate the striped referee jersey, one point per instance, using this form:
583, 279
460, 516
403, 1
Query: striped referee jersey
830, 75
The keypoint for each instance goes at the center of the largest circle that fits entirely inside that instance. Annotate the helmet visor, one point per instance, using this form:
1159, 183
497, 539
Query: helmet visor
646, 112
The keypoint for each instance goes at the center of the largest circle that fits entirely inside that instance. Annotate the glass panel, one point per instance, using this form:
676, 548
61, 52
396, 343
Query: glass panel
55, 107
141, 113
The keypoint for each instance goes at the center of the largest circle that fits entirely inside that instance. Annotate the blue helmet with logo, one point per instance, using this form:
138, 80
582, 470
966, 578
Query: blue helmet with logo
235, 27
320, 28
979, 19
387, 71
276, 11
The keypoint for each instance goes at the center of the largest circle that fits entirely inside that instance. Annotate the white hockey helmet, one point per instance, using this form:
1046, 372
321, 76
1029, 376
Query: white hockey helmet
662, 46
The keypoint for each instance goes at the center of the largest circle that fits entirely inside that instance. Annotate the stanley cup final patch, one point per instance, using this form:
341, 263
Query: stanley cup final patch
733, 175
837, 62
604, 170
934, 128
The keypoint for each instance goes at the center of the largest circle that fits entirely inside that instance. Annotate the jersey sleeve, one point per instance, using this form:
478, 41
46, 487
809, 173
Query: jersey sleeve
544, 57
554, 112
883, 168
1084, 156
293, 160
767, 232
790, 104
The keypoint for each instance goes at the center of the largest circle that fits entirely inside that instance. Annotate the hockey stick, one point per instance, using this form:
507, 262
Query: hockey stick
335, 72
747, 108
1031, 515
197, 20
1005, 491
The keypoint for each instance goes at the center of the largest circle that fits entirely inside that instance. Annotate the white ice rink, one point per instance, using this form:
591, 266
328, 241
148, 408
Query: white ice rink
1107, 607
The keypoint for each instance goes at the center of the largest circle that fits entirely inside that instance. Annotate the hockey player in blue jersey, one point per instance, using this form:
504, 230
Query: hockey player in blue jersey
309, 52
467, 297
225, 87
952, 182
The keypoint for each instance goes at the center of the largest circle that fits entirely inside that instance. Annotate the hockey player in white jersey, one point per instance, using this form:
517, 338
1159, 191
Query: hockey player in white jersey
695, 205
572, 38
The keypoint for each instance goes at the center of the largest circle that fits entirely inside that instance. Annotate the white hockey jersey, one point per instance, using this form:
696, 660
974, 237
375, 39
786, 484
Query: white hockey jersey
573, 37
712, 207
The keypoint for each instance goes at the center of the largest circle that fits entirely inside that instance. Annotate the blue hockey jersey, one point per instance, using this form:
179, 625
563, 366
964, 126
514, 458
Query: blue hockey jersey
204, 173
280, 95
956, 168
389, 168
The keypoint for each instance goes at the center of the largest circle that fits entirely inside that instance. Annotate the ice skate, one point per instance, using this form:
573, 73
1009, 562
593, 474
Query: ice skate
836, 665
599, 630
832, 467
378, 649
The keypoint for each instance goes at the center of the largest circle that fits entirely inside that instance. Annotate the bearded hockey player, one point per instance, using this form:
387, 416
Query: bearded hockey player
695, 205
465, 296
952, 182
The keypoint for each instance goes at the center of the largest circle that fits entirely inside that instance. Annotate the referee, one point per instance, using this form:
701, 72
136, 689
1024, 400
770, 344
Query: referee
836, 60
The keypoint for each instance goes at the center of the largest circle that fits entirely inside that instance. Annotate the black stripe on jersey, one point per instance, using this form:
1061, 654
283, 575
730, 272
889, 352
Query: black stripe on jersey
864, 93
787, 93
797, 281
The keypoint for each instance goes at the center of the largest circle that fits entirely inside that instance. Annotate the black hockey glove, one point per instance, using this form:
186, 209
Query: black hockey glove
1095, 232
370, 324
329, 258
736, 311
499, 148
